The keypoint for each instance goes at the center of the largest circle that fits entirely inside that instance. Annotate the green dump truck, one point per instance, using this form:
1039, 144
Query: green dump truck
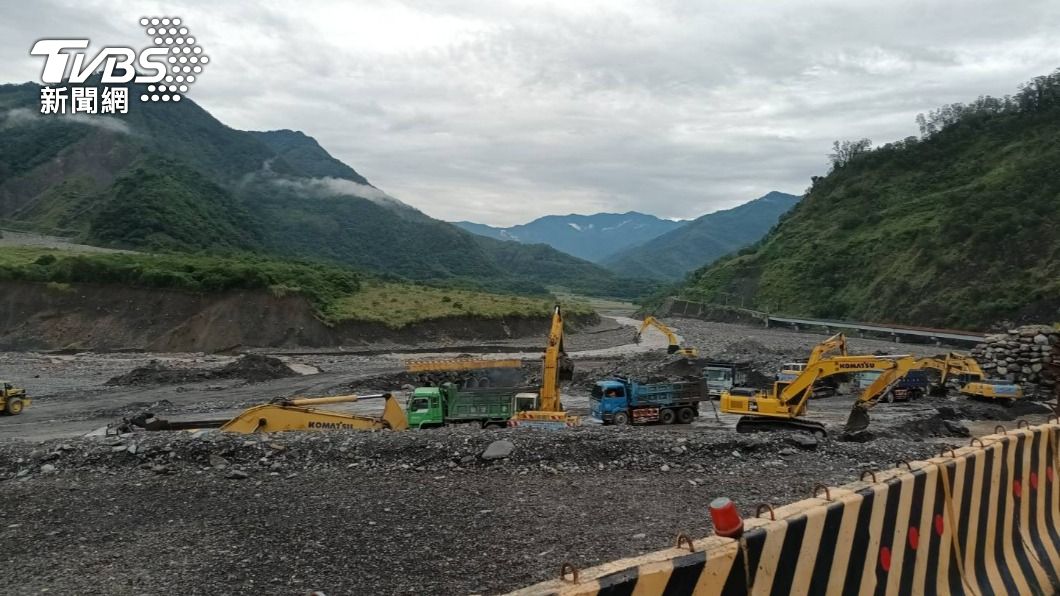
448, 404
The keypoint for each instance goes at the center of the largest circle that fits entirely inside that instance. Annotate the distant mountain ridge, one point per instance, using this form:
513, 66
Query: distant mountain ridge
671, 255
171, 177
591, 237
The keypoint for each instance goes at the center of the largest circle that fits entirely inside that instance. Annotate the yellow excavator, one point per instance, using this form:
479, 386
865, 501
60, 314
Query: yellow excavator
968, 377
297, 413
791, 370
952, 368
556, 367
673, 347
782, 406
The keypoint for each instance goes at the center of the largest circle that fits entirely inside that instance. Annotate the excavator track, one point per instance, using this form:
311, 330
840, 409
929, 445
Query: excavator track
754, 424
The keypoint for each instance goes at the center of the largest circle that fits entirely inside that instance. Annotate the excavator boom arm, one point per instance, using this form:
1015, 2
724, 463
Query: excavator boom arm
673, 346
837, 342
800, 387
276, 417
549, 397
795, 395
555, 367
650, 321
951, 364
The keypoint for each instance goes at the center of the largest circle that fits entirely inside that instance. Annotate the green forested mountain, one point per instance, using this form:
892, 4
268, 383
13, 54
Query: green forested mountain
171, 177
699, 242
959, 227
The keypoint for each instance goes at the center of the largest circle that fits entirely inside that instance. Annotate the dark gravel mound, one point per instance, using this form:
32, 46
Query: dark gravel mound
254, 368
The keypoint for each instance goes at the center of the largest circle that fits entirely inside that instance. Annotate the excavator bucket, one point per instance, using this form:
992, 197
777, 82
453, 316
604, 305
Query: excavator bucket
858, 420
566, 368
673, 349
393, 416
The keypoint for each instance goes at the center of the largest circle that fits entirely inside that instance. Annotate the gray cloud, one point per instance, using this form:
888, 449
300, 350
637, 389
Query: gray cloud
503, 111
338, 187
23, 116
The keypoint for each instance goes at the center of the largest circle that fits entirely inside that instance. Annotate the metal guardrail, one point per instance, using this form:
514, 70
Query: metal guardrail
968, 336
951, 335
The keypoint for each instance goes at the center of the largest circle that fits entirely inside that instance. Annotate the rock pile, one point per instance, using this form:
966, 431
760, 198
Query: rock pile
446, 450
253, 368
1027, 355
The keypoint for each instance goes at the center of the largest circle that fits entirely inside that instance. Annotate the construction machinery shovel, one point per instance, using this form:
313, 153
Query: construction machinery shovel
859, 418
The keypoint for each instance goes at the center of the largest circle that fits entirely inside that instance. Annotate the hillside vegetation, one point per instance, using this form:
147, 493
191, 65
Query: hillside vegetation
170, 177
321, 284
337, 294
397, 305
959, 227
699, 242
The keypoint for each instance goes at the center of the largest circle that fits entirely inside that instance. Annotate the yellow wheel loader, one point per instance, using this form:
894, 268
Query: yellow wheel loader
12, 399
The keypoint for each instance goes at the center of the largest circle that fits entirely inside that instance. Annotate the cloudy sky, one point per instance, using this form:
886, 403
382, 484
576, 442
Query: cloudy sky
500, 112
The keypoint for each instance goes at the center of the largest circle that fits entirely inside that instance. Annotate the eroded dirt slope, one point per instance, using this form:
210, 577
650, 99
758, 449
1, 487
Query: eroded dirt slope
34, 316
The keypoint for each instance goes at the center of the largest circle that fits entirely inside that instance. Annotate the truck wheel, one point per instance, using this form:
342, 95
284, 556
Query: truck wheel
667, 416
621, 419
889, 397
686, 415
14, 406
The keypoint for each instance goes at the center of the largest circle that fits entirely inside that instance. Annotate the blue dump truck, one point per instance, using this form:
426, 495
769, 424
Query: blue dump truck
913, 385
621, 401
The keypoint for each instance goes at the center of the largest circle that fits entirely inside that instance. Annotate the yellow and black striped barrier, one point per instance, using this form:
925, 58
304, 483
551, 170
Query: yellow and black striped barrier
982, 519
